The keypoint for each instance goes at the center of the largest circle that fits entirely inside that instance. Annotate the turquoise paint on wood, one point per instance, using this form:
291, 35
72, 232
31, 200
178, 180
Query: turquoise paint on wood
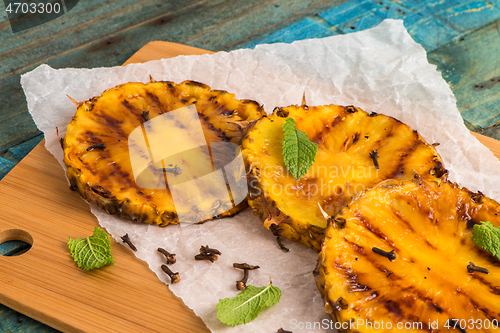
447, 30
21, 150
471, 67
307, 28
97, 33
5, 166
431, 23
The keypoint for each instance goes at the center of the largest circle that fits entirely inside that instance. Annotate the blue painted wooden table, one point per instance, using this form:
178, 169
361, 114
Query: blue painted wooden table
461, 37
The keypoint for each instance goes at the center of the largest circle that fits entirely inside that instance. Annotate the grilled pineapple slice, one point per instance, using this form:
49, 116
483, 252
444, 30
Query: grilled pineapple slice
99, 140
356, 150
427, 287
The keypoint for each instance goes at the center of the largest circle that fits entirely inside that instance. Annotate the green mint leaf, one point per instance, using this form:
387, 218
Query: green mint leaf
92, 252
298, 151
487, 236
247, 305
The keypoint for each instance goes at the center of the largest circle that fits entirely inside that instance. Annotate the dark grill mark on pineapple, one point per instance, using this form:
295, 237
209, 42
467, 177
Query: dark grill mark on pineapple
356, 138
436, 307
358, 287
115, 124
99, 190
377, 232
394, 308
319, 137
155, 101
193, 84
207, 125
350, 141
493, 289
403, 219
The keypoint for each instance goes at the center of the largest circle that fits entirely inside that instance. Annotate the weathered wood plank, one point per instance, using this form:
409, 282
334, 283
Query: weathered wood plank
307, 28
5, 166
258, 22
447, 30
432, 23
89, 21
22, 149
13, 321
125, 32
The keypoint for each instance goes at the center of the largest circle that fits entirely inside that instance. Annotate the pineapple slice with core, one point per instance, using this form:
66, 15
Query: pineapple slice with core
356, 151
119, 132
427, 287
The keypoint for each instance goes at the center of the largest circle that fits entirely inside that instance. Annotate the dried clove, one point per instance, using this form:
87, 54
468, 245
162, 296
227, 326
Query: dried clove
207, 250
175, 170
242, 284
127, 241
207, 253
145, 115
281, 330
202, 256
97, 146
389, 255
473, 268
170, 256
174, 277
374, 156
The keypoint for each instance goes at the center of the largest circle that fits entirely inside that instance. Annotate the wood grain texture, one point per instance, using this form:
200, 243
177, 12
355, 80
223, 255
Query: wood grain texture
472, 69
45, 284
99, 33
461, 37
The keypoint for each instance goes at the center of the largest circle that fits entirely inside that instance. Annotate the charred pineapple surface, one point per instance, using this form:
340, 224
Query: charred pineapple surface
356, 150
96, 150
427, 285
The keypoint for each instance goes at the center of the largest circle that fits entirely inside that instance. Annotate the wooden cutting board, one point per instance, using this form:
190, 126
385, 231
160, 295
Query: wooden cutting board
37, 206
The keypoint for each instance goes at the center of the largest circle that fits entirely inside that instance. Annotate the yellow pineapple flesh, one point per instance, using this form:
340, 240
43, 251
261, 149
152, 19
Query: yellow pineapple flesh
427, 286
356, 150
99, 141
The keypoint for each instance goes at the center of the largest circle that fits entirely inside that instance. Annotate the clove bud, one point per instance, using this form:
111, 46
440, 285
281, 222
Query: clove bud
473, 268
211, 257
97, 146
207, 253
374, 157
389, 255
207, 250
174, 277
127, 241
281, 330
175, 170
170, 256
242, 284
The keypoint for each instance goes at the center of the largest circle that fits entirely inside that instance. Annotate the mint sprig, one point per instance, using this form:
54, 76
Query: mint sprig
247, 305
298, 151
487, 236
91, 252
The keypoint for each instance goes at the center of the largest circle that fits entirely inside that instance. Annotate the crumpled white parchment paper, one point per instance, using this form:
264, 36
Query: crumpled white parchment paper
381, 69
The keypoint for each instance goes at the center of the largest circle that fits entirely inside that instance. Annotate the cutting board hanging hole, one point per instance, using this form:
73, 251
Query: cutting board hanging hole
14, 242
